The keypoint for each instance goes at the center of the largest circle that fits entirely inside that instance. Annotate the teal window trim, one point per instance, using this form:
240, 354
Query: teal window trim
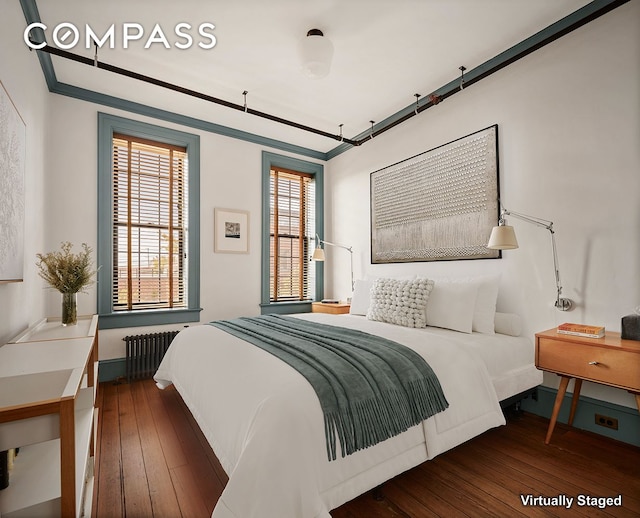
270, 160
107, 125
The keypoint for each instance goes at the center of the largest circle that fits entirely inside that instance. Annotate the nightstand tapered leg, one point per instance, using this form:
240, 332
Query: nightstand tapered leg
574, 401
562, 389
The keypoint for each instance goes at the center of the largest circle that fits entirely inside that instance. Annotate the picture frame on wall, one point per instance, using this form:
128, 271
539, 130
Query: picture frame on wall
231, 231
440, 205
13, 138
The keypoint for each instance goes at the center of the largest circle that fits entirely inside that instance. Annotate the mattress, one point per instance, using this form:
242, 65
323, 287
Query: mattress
510, 360
265, 424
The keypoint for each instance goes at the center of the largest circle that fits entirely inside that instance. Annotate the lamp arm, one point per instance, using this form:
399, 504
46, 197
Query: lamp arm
348, 249
562, 304
529, 219
334, 244
557, 269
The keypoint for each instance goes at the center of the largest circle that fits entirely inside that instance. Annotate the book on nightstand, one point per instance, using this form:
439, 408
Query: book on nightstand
581, 330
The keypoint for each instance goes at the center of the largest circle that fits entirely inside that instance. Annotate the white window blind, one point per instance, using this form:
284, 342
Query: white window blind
292, 234
149, 224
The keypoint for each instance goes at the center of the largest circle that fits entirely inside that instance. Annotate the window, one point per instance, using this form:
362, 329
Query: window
292, 234
150, 222
292, 216
148, 238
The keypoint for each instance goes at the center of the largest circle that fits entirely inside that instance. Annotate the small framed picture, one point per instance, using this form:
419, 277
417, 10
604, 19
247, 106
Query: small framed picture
231, 231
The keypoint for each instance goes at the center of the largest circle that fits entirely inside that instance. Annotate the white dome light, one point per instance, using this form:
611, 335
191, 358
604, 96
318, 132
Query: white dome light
316, 52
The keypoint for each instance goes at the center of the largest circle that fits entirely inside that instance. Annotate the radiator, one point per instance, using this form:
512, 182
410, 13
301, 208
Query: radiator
145, 352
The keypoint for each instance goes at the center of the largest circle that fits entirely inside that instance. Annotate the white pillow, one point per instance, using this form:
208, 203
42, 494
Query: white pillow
451, 305
400, 302
485, 303
361, 297
508, 324
485, 308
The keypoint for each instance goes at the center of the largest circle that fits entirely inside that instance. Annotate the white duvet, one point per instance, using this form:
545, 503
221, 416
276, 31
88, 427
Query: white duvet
264, 422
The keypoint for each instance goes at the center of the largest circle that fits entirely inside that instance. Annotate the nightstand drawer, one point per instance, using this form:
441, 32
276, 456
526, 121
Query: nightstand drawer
590, 362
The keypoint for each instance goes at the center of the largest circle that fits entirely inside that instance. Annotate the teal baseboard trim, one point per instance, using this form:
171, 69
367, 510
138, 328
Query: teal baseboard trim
111, 370
628, 418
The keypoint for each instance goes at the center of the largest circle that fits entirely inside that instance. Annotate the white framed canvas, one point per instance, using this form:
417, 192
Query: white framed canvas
439, 205
12, 163
231, 231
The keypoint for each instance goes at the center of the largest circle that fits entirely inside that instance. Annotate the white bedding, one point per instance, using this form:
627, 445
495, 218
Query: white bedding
264, 422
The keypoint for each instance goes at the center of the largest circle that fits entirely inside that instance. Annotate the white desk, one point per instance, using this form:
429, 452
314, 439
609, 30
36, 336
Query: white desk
48, 382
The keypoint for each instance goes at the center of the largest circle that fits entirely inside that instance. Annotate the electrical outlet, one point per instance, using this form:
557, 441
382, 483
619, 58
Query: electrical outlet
606, 421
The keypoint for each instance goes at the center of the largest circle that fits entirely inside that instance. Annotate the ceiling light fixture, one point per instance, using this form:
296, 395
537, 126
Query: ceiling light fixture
316, 52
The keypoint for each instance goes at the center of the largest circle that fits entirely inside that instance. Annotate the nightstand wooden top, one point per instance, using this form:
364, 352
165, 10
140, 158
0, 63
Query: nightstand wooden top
340, 308
610, 339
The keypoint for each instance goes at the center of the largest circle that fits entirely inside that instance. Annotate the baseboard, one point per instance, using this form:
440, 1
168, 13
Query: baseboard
111, 370
628, 418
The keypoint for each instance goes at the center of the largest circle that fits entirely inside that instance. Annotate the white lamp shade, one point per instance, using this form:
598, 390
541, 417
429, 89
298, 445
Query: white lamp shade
316, 53
318, 254
502, 237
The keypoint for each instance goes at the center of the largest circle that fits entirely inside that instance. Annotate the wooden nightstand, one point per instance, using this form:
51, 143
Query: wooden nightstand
334, 309
609, 361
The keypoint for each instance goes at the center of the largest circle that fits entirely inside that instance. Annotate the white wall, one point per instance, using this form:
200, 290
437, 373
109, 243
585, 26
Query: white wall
230, 177
21, 304
569, 133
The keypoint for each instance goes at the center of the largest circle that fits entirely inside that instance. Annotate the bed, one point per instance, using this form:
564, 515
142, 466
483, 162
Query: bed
264, 422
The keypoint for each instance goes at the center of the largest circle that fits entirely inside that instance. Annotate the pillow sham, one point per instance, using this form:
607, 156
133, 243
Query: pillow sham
485, 302
361, 297
400, 302
485, 308
451, 305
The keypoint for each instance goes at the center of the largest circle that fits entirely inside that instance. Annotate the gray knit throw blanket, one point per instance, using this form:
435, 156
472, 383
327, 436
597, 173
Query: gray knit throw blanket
370, 388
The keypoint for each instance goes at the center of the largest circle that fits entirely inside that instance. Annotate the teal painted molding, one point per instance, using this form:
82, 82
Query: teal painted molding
551, 33
270, 160
107, 125
112, 370
30, 10
184, 120
554, 31
580, 17
31, 15
628, 418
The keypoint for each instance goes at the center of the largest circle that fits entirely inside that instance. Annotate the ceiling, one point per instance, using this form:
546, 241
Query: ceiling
385, 52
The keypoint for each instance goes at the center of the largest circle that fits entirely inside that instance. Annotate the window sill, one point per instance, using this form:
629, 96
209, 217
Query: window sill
283, 308
148, 318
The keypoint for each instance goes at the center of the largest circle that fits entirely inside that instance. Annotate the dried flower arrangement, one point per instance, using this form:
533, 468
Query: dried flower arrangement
65, 271
68, 273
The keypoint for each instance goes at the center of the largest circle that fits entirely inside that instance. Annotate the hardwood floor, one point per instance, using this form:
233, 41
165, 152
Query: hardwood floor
153, 461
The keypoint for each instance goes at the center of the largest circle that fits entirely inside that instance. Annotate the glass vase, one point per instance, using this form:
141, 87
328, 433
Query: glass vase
69, 309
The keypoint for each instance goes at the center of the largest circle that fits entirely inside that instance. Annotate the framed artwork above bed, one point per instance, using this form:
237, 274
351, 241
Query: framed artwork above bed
438, 205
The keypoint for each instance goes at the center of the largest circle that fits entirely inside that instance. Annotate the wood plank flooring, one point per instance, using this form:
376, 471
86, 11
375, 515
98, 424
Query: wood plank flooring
153, 461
